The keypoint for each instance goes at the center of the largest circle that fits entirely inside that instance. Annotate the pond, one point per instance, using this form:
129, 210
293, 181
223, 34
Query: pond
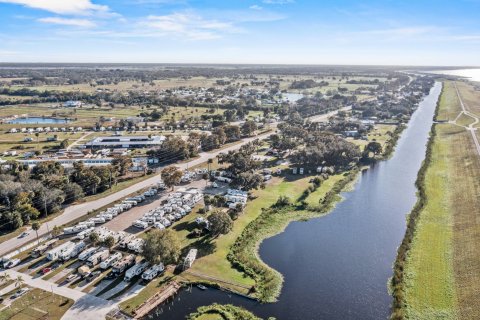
338, 266
38, 120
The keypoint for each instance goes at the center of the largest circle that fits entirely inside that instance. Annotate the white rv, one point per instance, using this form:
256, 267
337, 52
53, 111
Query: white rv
73, 252
153, 272
126, 262
87, 253
136, 270
98, 257
107, 263
55, 253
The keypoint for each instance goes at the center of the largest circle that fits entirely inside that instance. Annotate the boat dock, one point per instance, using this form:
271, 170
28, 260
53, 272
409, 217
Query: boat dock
166, 292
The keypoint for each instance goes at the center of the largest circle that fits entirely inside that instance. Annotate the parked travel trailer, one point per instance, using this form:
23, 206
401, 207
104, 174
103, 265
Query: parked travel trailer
55, 253
136, 245
125, 241
136, 270
153, 272
84, 234
73, 252
98, 257
87, 253
38, 251
107, 263
121, 265
190, 258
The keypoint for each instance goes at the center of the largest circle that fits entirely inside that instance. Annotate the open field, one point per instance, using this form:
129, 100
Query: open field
443, 266
37, 304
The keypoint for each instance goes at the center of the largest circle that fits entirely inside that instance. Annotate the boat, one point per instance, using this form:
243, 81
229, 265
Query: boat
201, 287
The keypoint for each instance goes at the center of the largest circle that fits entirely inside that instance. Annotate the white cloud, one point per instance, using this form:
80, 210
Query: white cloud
278, 1
74, 7
188, 25
83, 23
256, 7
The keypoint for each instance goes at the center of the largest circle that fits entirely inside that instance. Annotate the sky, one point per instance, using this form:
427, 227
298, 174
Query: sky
381, 32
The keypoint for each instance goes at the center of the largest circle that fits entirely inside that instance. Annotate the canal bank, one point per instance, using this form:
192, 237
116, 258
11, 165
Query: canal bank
338, 266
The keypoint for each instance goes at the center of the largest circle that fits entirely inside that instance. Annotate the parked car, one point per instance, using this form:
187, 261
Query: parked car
71, 277
46, 270
12, 263
24, 234
19, 293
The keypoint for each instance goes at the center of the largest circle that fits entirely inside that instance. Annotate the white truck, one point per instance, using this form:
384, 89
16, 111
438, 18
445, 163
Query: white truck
98, 257
153, 272
107, 263
55, 253
136, 270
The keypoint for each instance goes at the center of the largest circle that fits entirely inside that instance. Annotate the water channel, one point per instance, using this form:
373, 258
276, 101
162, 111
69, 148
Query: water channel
338, 266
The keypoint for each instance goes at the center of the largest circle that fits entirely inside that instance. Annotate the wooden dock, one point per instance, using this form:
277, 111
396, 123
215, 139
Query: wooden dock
161, 296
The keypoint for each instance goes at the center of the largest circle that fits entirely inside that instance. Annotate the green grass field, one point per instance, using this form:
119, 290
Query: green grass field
37, 305
443, 265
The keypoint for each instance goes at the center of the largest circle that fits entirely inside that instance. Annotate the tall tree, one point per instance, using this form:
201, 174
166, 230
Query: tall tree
161, 246
171, 176
36, 227
220, 223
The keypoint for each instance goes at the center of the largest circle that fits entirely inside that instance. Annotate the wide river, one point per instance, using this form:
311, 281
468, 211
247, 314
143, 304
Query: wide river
338, 266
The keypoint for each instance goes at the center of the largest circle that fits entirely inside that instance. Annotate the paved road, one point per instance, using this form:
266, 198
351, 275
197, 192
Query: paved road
76, 211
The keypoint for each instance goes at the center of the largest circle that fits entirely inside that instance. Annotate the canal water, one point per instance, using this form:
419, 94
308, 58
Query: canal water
338, 266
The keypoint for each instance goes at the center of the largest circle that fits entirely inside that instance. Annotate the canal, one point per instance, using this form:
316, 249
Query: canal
338, 266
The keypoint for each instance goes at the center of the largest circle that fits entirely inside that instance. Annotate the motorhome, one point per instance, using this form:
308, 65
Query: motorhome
107, 263
153, 272
136, 270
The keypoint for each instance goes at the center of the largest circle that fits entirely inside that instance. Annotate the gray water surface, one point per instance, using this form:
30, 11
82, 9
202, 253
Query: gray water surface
338, 266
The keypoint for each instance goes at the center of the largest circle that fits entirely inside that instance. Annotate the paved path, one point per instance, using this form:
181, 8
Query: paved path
76, 211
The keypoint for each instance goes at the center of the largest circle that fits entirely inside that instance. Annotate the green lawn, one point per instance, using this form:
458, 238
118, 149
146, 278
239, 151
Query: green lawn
216, 264
37, 305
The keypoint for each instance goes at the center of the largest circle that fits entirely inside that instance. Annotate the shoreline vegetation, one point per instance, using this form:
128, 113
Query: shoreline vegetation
398, 281
222, 312
244, 252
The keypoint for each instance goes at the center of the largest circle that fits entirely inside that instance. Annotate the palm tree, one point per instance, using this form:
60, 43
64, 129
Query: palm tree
209, 162
5, 277
19, 281
36, 227
37, 135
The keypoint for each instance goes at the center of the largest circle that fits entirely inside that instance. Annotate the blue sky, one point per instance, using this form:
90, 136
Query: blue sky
408, 32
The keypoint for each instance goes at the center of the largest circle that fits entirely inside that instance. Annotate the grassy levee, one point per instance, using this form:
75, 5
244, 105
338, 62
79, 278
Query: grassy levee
436, 273
244, 252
